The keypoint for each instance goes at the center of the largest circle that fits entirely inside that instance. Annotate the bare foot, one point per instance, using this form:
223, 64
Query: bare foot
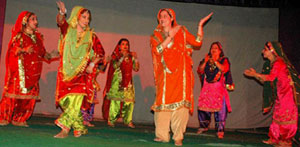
87, 123
110, 124
62, 134
178, 142
4, 122
159, 140
269, 141
20, 124
131, 125
202, 130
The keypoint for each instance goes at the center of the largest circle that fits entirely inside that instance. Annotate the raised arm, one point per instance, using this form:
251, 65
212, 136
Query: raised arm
61, 17
197, 42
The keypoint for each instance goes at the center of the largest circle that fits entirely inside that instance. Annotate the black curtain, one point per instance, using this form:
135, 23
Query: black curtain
289, 33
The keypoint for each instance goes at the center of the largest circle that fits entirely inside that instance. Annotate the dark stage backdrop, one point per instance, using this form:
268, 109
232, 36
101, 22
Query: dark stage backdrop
242, 32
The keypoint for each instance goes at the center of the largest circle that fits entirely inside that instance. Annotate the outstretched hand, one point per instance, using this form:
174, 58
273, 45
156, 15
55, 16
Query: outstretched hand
250, 72
61, 6
54, 54
202, 22
205, 19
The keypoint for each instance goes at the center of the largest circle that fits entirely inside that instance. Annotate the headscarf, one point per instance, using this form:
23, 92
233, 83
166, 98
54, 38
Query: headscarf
16, 34
19, 25
171, 12
75, 54
159, 36
270, 91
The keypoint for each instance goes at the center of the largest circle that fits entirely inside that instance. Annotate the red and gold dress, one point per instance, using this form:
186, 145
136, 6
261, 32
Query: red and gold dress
23, 71
75, 91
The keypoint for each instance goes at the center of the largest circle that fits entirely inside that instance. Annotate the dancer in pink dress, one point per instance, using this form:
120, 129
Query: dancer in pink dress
283, 81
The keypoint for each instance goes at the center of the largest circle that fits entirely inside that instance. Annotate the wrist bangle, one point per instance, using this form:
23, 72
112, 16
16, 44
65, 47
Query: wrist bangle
199, 38
61, 13
92, 64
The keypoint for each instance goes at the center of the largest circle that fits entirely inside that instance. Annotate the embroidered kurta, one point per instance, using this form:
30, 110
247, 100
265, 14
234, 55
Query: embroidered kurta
285, 110
23, 70
82, 82
214, 90
122, 88
173, 75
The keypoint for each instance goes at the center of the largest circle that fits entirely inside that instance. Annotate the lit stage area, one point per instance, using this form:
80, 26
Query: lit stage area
241, 28
42, 129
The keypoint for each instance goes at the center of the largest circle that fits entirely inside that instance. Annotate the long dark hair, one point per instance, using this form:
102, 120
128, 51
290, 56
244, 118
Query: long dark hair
220, 48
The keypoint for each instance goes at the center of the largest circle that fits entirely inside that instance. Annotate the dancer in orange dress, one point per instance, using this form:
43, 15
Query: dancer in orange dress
174, 80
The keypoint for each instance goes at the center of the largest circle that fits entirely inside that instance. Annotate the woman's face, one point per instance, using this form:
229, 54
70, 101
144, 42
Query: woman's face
84, 19
165, 20
32, 23
266, 52
124, 46
215, 50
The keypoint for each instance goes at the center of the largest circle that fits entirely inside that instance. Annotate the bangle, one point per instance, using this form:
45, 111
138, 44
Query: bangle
199, 38
92, 64
159, 48
61, 13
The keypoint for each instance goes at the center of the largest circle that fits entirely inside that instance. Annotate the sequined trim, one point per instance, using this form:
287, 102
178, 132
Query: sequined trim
170, 44
121, 99
199, 38
159, 49
208, 109
165, 65
62, 126
22, 77
172, 107
184, 68
16, 96
188, 46
164, 88
285, 122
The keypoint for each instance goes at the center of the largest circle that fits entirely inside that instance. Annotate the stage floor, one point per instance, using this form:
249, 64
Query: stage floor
42, 129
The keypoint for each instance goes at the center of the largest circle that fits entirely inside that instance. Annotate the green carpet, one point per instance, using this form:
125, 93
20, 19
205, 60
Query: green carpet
42, 129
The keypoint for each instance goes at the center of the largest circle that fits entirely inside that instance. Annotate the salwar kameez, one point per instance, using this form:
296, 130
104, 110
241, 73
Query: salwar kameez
285, 113
75, 87
214, 96
121, 92
71, 116
23, 71
174, 79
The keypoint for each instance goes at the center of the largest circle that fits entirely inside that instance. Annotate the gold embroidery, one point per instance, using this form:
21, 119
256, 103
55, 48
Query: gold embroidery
199, 38
172, 107
164, 88
208, 109
121, 99
22, 76
286, 122
16, 96
184, 72
159, 49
